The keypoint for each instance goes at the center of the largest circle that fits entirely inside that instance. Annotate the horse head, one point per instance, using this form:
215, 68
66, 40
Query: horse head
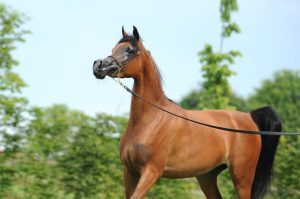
125, 60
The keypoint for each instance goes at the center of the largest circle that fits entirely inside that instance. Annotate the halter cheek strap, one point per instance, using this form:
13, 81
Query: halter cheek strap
115, 60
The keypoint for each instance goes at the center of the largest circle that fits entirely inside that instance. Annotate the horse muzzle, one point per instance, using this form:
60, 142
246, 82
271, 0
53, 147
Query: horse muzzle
103, 67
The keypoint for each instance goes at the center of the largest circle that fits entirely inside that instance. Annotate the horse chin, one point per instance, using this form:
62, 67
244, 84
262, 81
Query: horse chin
100, 76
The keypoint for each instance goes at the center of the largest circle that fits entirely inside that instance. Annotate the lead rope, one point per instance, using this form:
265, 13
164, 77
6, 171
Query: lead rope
201, 123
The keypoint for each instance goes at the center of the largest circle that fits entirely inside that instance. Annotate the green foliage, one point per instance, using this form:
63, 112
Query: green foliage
229, 29
91, 166
67, 155
191, 100
12, 106
174, 188
216, 88
226, 9
10, 82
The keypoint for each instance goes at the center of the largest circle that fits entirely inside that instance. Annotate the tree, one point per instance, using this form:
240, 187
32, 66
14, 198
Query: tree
91, 167
283, 93
11, 104
215, 88
215, 92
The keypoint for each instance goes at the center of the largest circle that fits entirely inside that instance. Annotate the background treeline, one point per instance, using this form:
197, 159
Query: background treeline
60, 153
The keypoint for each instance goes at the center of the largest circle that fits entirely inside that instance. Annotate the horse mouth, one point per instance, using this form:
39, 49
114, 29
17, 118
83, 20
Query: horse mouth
102, 72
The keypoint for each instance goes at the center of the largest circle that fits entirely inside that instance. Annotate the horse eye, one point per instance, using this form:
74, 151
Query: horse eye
129, 50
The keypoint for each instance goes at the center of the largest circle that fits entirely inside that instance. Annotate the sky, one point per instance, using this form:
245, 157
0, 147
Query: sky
68, 35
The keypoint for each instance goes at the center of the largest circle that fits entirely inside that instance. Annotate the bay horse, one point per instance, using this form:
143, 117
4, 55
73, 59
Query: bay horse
156, 144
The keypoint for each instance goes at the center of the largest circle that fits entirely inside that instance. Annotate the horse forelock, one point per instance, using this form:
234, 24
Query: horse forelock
129, 39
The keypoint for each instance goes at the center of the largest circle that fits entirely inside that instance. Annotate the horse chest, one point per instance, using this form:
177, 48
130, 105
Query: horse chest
134, 156
137, 145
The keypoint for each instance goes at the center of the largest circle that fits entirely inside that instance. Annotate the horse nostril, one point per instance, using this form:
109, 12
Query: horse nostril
97, 64
100, 64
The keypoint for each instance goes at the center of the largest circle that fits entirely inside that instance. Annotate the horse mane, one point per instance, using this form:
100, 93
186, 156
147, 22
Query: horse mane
156, 67
159, 74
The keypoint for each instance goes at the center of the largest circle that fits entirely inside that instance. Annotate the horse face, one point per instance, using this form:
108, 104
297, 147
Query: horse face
123, 61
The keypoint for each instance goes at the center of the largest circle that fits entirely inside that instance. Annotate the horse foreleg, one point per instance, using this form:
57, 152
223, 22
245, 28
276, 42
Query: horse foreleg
130, 182
149, 175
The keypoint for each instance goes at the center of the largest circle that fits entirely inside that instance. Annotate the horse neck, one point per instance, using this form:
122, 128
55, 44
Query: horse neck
148, 85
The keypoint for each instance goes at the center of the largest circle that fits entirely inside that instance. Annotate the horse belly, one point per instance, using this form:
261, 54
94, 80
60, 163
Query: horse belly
186, 170
194, 157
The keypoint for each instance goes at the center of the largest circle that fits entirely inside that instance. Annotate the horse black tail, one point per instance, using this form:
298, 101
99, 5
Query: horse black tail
266, 119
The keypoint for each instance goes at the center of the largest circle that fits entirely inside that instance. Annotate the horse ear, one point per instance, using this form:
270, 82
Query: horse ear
123, 32
136, 33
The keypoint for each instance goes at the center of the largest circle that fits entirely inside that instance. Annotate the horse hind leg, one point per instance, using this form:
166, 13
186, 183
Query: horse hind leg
242, 180
209, 187
208, 183
242, 174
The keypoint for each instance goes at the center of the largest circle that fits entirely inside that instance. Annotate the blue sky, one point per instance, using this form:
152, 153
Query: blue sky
68, 35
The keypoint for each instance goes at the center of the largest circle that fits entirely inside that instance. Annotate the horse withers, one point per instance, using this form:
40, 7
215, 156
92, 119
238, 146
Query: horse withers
156, 144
